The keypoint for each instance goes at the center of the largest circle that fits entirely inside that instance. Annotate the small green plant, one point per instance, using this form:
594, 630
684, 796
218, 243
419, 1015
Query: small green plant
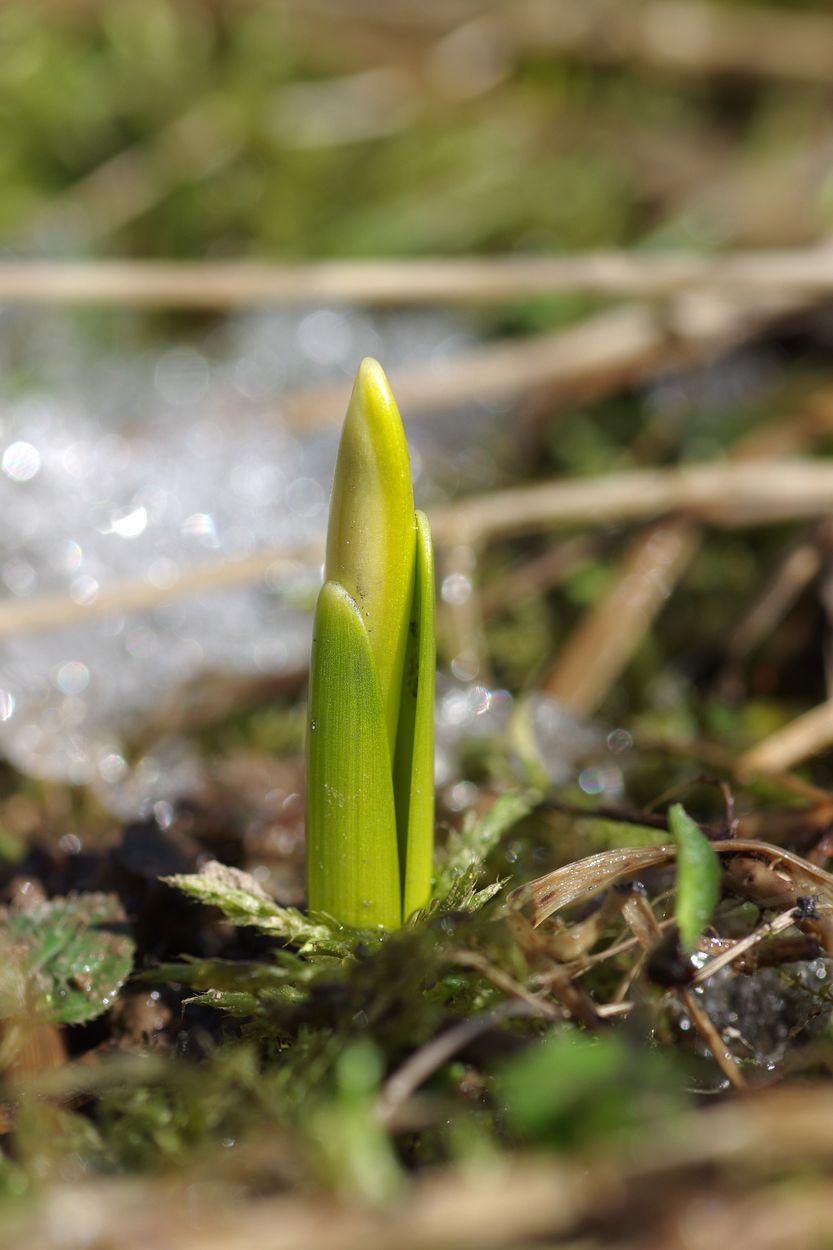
370, 736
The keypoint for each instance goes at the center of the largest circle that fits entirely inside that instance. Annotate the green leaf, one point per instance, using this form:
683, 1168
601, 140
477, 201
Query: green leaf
243, 901
352, 854
571, 1090
64, 960
371, 539
698, 876
413, 774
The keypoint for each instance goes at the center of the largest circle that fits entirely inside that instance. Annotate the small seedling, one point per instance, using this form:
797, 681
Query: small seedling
370, 736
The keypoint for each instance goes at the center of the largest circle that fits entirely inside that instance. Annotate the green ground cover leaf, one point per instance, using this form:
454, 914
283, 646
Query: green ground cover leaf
243, 901
67, 958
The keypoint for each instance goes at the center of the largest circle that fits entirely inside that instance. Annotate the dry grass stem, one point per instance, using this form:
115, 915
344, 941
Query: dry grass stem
600, 647
503, 981
682, 37
725, 494
529, 579
603, 352
807, 735
224, 285
58, 611
420, 1066
609, 633
640, 917
716, 756
728, 956
583, 878
200, 142
792, 576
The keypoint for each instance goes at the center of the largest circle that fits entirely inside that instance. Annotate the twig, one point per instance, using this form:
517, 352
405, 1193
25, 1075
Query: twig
807, 735
531, 578
222, 285
423, 1063
205, 138
602, 644
58, 611
640, 917
681, 36
725, 494
606, 351
771, 929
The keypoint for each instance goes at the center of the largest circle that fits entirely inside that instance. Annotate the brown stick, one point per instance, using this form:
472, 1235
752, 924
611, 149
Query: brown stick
681, 36
602, 644
58, 610
640, 917
221, 285
726, 494
612, 348
807, 735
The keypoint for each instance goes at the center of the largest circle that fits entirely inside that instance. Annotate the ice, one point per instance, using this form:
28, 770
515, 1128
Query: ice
139, 466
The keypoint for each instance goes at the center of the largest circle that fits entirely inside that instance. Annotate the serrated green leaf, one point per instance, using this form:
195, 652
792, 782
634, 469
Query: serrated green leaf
698, 877
371, 538
243, 901
413, 776
70, 957
352, 853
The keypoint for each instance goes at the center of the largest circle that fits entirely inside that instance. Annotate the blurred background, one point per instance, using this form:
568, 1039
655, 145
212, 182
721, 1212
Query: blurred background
168, 432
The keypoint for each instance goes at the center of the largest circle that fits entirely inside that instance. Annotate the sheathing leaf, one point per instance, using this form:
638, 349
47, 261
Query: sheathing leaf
352, 854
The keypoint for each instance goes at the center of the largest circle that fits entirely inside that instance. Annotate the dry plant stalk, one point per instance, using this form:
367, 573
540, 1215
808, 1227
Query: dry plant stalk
639, 916
583, 878
722, 493
682, 36
807, 735
225, 285
608, 634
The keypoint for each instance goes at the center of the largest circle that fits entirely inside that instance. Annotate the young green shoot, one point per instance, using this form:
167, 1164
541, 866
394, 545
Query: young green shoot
370, 736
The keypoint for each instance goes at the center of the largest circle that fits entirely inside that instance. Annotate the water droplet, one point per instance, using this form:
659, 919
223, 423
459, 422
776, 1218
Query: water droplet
128, 522
21, 461
72, 677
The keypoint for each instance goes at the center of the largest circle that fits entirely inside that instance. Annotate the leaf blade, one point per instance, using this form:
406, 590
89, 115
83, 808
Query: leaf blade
244, 902
698, 876
72, 954
413, 774
352, 854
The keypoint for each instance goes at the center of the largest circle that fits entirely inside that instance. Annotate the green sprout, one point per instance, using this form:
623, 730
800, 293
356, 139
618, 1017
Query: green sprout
370, 736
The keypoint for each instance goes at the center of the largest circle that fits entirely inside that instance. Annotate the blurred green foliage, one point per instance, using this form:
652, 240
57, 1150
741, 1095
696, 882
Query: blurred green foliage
572, 1090
219, 132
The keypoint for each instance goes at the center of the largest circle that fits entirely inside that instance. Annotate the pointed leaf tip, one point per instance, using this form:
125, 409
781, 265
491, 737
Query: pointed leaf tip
371, 539
372, 386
